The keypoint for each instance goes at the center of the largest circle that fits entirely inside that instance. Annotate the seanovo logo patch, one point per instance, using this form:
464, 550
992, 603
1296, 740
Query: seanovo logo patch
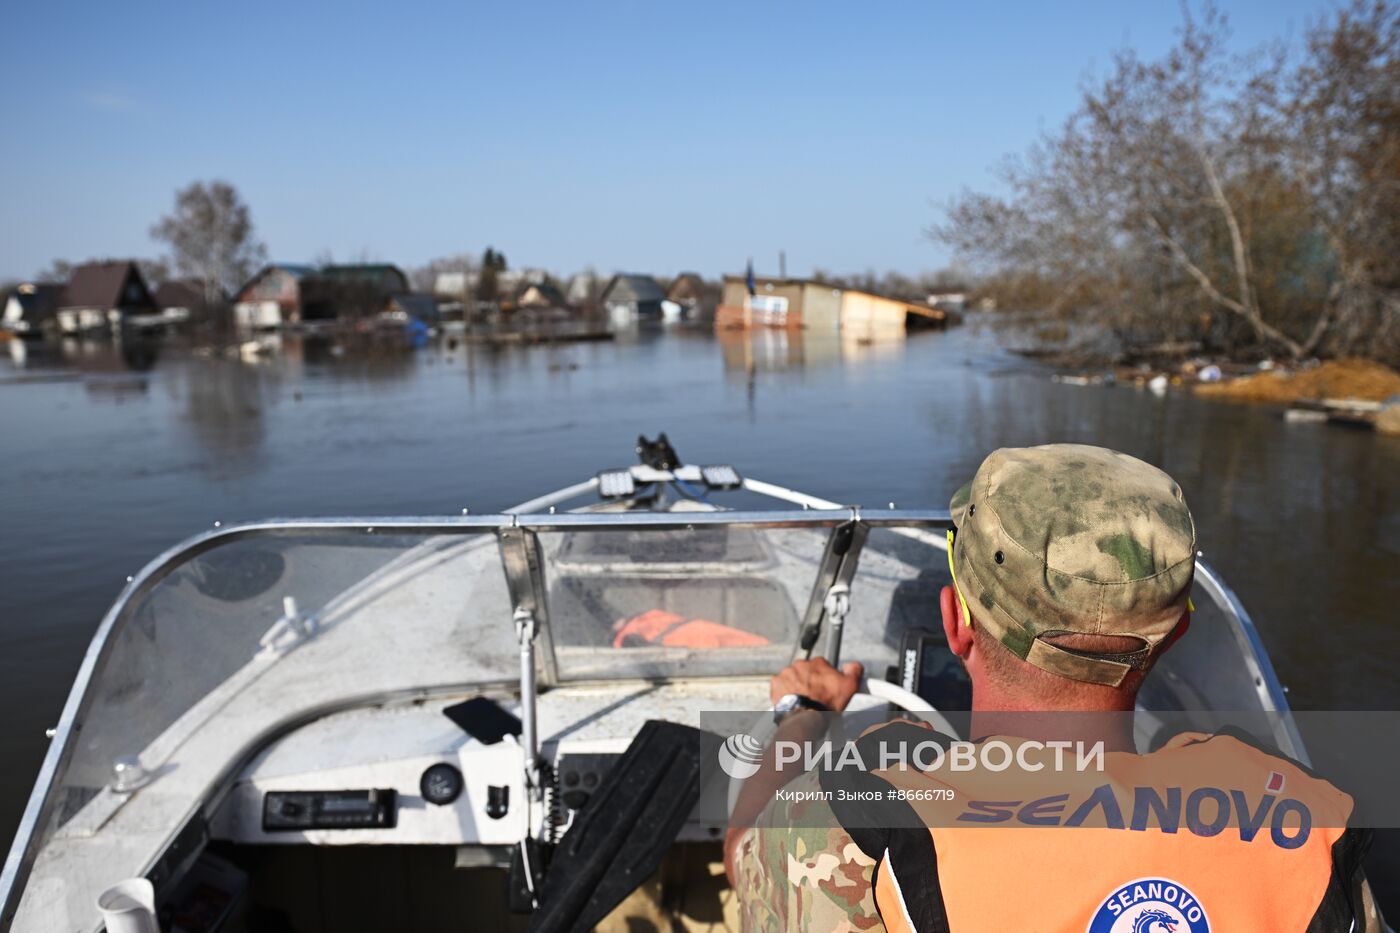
740, 755
1150, 905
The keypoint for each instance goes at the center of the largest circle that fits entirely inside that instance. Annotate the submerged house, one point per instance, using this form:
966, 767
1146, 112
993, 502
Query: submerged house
629, 297
818, 306
101, 295
695, 297
272, 297
32, 308
784, 303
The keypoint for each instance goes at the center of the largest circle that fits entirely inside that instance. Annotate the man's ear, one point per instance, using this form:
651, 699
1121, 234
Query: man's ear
958, 634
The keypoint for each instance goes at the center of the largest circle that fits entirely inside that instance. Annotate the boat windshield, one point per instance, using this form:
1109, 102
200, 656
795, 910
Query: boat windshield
701, 601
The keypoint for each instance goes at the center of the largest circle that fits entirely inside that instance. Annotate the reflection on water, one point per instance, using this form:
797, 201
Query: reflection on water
114, 452
772, 350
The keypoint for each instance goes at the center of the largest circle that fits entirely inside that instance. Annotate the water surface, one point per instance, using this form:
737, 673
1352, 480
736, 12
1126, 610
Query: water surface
113, 454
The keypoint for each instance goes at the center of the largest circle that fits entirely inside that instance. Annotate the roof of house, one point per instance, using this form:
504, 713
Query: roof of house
179, 293
693, 281
296, 270
548, 291
103, 285
631, 287
382, 274
817, 283
38, 300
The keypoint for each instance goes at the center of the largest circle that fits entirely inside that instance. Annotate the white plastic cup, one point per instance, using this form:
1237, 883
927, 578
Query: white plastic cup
129, 907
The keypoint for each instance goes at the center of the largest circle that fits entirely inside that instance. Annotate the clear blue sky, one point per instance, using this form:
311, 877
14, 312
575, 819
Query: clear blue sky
654, 136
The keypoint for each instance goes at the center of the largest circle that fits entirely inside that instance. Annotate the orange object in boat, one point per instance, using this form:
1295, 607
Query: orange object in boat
656, 627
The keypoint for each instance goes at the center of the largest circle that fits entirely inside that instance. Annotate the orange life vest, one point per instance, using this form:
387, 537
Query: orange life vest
668, 630
1143, 846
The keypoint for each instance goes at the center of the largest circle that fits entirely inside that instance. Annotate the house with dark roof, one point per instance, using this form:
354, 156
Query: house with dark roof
631, 297
32, 308
696, 297
100, 295
540, 295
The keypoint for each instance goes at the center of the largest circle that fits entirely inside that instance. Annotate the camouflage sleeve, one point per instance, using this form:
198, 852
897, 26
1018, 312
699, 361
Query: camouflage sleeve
799, 871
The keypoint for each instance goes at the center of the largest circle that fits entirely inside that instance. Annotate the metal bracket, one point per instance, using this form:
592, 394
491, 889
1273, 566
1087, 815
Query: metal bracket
836, 605
837, 567
524, 569
526, 628
293, 628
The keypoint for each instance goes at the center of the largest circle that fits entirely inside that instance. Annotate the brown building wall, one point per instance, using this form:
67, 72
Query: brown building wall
821, 307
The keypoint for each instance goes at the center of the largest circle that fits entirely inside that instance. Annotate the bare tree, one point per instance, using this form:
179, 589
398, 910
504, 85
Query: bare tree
154, 271
424, 277
57, 271
1342, 118
1188, 196
211, 239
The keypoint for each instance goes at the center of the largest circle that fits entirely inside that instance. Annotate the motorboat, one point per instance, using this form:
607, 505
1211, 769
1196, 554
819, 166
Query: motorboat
389, 723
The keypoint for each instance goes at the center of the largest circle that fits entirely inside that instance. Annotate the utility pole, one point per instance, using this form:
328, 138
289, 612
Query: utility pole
782, 264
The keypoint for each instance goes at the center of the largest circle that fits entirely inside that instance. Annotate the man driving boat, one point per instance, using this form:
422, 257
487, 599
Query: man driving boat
1071, 567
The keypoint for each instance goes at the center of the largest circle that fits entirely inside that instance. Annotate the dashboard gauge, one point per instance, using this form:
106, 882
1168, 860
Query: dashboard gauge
441, 784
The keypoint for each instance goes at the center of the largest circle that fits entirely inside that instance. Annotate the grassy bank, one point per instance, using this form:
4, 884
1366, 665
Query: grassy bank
1350, 378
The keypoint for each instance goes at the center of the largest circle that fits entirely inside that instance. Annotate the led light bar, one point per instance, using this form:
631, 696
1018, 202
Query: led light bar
721, 476
616, 484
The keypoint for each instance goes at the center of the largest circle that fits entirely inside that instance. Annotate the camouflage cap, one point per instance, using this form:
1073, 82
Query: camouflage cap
1068, 538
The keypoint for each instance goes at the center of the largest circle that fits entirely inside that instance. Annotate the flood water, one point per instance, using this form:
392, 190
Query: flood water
113, 454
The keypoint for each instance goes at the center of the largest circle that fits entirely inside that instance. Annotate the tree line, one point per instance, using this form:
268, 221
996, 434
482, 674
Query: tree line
1248, 204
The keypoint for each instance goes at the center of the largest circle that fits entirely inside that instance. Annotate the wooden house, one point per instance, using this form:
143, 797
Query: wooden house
32, 308
100, 295
540, 295
272, 297
696, 297
816, 306
632, 297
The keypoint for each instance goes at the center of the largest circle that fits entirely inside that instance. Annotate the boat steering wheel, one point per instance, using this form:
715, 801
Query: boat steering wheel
908, 700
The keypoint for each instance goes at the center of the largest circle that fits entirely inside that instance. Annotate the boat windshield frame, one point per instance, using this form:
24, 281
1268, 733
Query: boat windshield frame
517, 536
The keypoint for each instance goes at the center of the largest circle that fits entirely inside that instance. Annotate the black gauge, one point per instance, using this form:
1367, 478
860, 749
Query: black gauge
441, 784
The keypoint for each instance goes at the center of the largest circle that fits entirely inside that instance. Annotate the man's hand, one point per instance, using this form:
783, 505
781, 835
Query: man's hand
818, 680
